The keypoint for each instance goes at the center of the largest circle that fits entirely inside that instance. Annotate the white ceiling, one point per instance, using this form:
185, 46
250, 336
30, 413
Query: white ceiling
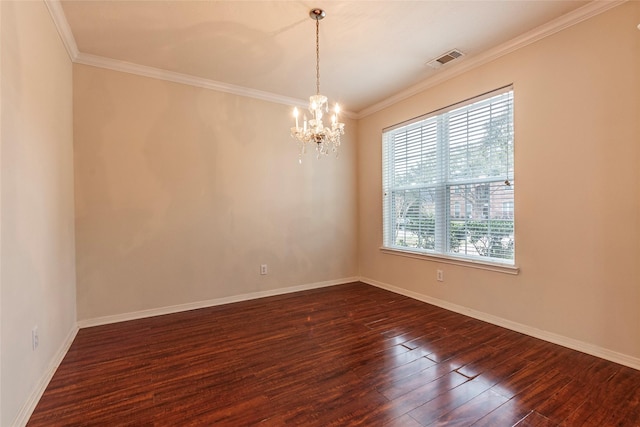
369, 50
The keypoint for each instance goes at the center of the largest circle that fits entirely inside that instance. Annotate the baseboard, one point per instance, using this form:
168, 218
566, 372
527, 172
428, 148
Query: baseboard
594, 350
208, 303
27, 409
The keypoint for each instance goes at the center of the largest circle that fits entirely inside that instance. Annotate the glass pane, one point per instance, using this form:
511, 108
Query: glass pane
481, 140
414, 154
485, 228
414, 223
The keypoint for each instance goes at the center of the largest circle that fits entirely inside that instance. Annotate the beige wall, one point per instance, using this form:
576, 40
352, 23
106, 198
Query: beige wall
577, 160
37, 264
182, 192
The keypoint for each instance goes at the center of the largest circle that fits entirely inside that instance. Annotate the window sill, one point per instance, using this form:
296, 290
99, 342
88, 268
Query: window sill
490, 266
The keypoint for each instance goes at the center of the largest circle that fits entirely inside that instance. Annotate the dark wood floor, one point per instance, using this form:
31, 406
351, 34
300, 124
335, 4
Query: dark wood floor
339, 356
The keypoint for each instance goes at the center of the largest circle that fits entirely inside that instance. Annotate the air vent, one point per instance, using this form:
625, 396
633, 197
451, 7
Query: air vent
445, 58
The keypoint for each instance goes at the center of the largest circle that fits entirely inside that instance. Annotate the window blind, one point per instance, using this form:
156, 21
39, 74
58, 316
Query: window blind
448, 181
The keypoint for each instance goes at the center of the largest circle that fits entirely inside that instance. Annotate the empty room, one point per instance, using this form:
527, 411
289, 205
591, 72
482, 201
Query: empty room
332, 213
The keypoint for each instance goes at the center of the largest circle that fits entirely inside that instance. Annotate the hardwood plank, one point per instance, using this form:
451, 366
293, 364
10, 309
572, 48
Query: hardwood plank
395, 389
543, 389
467, 413
610, 403
339, 356
426, 393
571, 397
507, 414
534, 419
445, 403
403, 421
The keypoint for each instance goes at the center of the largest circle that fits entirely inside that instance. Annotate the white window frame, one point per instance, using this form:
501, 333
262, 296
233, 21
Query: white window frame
439, 190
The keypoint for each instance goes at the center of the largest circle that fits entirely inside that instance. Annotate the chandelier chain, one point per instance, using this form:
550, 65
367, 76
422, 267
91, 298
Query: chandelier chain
317, 57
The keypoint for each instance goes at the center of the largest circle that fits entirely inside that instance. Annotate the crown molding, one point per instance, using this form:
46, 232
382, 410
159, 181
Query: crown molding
187, 79
62, 25
60, 21
587, 11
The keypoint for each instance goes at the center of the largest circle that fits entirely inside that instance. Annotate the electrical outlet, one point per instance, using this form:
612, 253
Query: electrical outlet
263, 269
440, 275
35, 340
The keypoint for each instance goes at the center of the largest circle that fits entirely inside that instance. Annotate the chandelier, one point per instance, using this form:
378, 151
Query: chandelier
326, 139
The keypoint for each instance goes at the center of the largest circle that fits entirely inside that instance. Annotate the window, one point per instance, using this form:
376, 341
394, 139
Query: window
469, 209
507, 209
459, 156
456, 210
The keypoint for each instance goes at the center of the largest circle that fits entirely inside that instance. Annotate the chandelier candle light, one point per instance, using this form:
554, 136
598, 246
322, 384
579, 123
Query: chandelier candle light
327, 139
